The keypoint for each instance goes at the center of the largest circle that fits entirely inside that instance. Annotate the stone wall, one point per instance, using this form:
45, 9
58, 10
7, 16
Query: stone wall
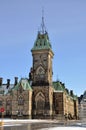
42, 101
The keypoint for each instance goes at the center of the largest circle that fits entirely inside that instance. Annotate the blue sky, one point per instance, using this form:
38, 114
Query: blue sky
65, 21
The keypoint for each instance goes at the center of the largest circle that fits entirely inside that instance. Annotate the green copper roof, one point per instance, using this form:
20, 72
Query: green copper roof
24, 83
84, 95
75, 97
42, 42
58, 86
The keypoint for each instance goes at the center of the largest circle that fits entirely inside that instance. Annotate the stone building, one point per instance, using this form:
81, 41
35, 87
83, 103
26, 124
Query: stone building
65, 102
38, 96
82, 106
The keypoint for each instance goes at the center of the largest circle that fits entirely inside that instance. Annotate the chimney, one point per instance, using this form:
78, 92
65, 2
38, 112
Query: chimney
16, 81
63, 84
71, 92
8, 83
1, 80
67, 90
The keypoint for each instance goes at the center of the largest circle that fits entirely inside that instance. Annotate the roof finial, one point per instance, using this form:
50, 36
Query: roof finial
43, 25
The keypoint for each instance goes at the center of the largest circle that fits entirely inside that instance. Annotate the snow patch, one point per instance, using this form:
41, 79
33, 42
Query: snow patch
65, 128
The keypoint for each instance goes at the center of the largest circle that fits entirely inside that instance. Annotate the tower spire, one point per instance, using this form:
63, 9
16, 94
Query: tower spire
43, 29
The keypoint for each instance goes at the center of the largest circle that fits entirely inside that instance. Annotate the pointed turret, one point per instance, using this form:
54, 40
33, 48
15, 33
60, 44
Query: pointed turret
42, 41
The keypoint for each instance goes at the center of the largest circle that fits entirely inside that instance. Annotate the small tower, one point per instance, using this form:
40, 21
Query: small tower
42, 75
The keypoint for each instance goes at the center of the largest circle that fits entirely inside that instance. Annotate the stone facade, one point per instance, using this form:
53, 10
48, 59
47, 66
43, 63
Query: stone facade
17, 102
65, 106
38, 96
42, 102
82, 106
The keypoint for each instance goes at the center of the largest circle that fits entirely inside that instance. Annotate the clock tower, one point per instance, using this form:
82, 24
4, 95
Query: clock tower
41, 75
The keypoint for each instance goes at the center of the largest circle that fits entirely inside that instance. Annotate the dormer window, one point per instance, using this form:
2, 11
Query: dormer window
44, 43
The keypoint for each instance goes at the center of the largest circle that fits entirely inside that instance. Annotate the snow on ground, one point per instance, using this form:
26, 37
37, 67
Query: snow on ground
76, 126
65, 128
23, 120
8, 125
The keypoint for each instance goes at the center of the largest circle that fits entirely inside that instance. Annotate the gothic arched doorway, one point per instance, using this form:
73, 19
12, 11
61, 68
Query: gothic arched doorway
40, 103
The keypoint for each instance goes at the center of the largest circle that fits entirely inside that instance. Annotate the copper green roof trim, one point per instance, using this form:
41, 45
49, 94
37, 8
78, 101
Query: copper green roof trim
24, 83
42, 42
75, 97
58, 86
84, 96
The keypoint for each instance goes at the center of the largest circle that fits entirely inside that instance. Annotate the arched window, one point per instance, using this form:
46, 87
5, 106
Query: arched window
40, 103
40, 73
20, 101
8, 101
40, 70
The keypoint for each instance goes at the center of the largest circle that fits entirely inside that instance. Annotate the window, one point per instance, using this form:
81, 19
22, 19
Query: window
44, 43
1, 103
40, 70
8, 102
40, 74
20, 101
